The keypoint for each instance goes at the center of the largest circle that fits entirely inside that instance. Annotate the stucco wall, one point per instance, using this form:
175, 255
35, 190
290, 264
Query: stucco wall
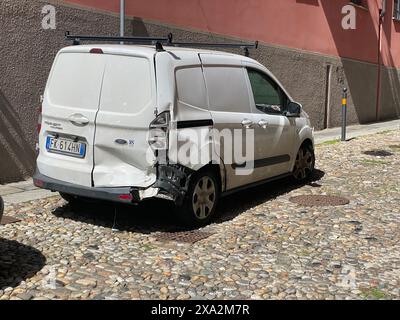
27, 52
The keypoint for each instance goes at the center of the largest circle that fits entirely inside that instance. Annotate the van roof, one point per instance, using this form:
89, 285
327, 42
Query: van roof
149, 51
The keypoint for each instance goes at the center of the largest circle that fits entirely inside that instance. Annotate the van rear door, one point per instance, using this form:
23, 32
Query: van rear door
71, 102
122, 156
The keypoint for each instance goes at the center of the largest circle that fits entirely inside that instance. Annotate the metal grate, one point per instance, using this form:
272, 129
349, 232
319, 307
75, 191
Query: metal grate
319, 200
378, 153
185, 236
8, 220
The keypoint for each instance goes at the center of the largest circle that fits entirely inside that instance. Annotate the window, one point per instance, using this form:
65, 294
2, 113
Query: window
127, 84
357, 2
191, 88
76, 80
363, 4
268, 97
227, 89
396, 10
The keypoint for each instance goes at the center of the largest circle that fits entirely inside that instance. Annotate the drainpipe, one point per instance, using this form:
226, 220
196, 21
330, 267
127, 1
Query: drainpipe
122, 18
382, 13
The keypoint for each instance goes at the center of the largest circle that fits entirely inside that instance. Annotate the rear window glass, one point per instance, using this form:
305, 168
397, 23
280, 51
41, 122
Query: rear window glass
127, 85
76, 80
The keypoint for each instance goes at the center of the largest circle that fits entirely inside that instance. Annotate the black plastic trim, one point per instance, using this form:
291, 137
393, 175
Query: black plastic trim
264, 162
109, 194
194, 123
255, 184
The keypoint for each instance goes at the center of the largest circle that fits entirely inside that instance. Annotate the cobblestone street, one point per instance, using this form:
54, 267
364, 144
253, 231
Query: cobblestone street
261, 247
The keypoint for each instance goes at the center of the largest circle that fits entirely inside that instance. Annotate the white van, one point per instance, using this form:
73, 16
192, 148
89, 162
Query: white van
128, 122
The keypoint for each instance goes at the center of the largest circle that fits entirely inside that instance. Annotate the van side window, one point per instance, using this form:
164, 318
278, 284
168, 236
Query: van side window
227, 89
190, 87
268, 96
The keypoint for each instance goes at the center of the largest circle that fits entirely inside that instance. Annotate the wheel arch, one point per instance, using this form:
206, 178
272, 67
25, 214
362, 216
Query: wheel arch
307, 142
220, 172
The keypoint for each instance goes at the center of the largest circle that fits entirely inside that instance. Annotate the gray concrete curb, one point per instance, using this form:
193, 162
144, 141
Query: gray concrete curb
18, 192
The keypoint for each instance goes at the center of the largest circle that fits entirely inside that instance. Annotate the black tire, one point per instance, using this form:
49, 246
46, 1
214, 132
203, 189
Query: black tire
201, 200
71, 199
1, 207
304, 163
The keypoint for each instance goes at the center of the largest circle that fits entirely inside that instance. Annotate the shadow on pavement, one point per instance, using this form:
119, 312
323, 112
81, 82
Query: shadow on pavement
18, 262
158, 215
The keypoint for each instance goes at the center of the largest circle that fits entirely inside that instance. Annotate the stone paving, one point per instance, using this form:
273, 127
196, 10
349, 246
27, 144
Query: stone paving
262, 246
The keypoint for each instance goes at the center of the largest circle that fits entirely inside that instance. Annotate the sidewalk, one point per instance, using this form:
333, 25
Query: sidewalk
23, 191
356, 131
19, 192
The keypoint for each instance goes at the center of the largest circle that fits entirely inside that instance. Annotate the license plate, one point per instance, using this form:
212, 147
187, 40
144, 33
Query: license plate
66, 146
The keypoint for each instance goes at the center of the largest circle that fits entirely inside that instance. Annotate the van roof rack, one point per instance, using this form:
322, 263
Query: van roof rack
159, 41
139, 40
245, 46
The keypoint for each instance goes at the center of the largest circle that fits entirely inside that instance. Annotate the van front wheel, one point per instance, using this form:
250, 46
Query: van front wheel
304, 164
199, 205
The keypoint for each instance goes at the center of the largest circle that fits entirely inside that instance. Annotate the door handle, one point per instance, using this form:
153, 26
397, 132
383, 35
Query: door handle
247, 123
263, 124
78, 119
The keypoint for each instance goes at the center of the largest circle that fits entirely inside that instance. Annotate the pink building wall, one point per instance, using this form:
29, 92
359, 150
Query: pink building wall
311, 25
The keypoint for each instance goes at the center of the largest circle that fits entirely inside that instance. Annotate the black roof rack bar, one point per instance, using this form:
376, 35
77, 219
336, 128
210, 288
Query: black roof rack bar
215, 45
245, 46
140, 40
159, 41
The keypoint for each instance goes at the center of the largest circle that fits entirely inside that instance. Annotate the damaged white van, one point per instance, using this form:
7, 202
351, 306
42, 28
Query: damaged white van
126, 123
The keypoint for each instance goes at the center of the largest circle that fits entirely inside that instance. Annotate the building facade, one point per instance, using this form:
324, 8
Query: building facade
314, 47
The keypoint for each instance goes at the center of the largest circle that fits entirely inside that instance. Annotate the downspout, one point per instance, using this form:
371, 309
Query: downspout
122, 19
382, 13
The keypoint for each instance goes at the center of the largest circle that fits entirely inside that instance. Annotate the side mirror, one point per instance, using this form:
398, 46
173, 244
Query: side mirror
293, 110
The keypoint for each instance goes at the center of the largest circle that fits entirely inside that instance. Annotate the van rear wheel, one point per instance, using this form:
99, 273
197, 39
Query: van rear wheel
76, 200
71, 199
199, 205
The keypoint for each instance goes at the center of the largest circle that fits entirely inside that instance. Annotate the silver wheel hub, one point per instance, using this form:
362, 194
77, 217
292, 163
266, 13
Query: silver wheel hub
304, 164
204, 197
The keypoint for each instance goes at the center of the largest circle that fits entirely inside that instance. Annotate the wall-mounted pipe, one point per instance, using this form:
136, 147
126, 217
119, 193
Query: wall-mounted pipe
122, 18
382, 13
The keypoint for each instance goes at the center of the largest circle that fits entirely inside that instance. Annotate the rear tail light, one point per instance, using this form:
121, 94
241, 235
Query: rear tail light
125, 197
158, 132
38, 183
39, 123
